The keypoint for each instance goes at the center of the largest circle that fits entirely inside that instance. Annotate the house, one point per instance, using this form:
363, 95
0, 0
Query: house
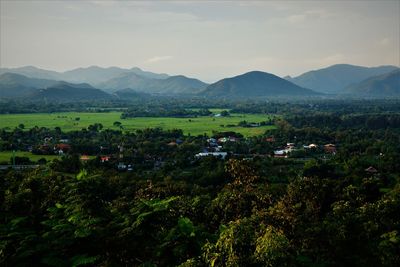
212, 142
311, 146
172, 143
289, 145
281, 153
222, 140
104, 159
330, 148
121, 166
371, 170
62, 147
214, 154
270, 139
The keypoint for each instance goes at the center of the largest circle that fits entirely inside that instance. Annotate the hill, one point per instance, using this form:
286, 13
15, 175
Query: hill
67, 92
255, 84
15, 85
171, 85
336, 78
386, 85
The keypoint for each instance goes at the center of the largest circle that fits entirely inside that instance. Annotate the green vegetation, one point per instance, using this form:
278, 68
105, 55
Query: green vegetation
195, 126
5, 156
320, 189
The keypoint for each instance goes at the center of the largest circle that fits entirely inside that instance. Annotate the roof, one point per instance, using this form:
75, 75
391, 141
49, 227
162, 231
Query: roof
371, 169
329, 145
63, 146
215, 154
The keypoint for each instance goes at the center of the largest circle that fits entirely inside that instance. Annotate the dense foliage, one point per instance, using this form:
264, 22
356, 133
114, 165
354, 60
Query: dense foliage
172, 208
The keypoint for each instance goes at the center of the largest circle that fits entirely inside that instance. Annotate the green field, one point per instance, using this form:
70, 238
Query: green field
5, 156
194, 126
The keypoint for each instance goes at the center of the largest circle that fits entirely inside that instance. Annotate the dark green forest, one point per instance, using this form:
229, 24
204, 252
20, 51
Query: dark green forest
146, 198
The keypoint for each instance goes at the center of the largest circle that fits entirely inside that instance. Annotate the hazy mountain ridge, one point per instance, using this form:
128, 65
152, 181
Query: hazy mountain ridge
134, 83
172, 85
385, 85
92, 75
16, 85
337, 78
255, 84
19, 86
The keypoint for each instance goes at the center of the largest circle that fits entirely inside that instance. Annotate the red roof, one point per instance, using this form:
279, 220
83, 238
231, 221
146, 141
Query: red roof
105, 158
63, 146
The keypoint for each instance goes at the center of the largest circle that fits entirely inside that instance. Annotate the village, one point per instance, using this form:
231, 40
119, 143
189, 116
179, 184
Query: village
124, 157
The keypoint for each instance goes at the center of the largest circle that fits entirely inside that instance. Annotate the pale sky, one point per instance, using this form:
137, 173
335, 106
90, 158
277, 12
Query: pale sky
208, 40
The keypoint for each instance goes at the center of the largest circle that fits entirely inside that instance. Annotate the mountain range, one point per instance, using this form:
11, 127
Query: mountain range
170, 85
336, 78
343, 79
92, 75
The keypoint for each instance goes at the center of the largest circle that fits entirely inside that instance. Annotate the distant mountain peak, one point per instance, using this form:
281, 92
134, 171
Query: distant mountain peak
255, 84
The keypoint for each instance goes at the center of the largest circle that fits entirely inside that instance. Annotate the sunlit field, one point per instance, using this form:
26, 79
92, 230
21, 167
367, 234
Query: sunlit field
70, 121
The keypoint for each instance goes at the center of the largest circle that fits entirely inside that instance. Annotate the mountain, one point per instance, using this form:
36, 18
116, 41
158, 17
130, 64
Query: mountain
336, 78
148, 74
93, 75
129, 80
16, 85
67, 92
171, 85
255, 84
97, 75
178, 85
33, 72
19, 86
385, 85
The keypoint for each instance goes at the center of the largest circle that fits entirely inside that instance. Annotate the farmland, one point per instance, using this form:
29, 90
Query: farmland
69, 121
5, 156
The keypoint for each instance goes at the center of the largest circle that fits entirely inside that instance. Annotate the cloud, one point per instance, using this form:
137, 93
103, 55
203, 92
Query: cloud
312, 14
158, 59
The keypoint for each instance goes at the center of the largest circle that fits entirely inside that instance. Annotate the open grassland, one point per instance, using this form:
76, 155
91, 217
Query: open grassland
5, 156
69, 121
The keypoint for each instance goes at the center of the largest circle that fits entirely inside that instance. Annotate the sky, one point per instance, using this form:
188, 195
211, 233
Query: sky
209, 40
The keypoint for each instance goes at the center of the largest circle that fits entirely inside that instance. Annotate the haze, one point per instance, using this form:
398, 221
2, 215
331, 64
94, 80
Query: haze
206, 40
